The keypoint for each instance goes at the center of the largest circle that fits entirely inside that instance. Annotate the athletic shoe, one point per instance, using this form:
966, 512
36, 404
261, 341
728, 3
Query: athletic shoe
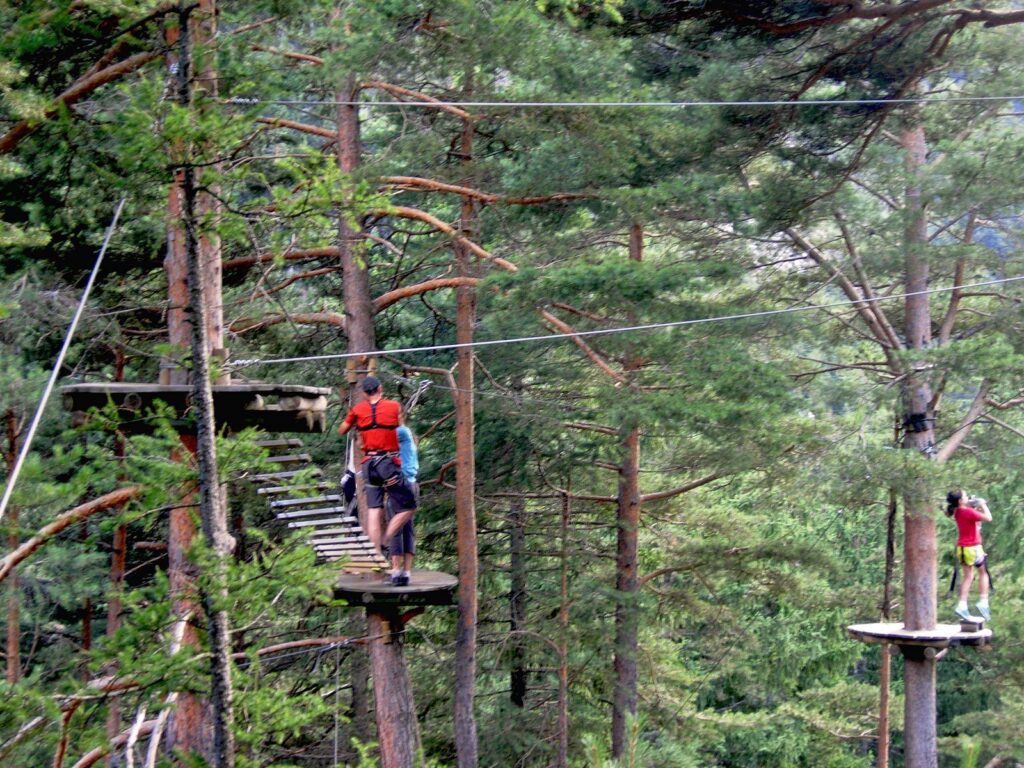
963, 613
399, 580
986, 614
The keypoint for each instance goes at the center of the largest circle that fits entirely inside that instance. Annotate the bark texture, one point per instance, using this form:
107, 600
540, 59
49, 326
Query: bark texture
396, 712
212, 509
465, 485
517, 601
920, 552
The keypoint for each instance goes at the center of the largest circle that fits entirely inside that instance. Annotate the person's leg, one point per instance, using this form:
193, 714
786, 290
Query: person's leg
403, 497
967, 576
374, 513
408, 547
983, 587
397, 522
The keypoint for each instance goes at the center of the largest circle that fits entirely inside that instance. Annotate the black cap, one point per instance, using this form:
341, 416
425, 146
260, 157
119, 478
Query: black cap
371, 384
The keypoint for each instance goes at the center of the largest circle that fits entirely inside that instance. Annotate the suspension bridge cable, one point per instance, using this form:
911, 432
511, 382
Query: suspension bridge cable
27, 444
628, 329
247, 101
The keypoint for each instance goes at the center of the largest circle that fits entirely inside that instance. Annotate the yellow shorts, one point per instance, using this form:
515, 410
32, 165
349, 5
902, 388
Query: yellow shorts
971, 555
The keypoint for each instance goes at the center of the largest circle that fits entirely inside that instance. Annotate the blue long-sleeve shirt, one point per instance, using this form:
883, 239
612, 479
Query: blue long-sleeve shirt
408, 454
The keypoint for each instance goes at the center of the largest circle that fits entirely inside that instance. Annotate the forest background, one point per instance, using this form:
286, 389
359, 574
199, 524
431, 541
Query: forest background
674, 526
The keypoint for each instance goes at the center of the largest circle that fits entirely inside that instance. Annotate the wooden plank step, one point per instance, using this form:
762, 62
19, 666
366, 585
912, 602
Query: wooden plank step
283, 442
278, 490
307, 472
310, 512
333, 531
355, 543
290, 458
328, 543
283, 503
324, 521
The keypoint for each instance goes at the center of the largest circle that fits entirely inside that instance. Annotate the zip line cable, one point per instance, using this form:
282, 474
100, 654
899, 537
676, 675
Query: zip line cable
247, 101
627, 329
27, 444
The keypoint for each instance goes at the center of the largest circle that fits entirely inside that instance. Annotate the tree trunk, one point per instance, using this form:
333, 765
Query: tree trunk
189, 729
626, 621
13, 645
13, 606
885, 672
517, 600
397, 726
920, 555
563, 641
361, 338
465, 484
212, 512
624, 696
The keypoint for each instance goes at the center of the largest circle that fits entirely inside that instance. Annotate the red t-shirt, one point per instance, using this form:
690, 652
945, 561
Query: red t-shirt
968, 522
383, 437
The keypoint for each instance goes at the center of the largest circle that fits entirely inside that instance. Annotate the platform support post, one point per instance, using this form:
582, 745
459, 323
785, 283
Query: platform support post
397, 727
919, 733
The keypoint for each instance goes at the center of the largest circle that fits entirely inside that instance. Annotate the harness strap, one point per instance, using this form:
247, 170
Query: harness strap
373, 421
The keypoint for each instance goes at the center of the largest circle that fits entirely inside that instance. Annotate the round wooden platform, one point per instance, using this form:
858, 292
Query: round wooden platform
374, 590
941, 636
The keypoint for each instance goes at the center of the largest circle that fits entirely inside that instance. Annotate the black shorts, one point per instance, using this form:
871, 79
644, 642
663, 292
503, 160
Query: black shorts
384, 478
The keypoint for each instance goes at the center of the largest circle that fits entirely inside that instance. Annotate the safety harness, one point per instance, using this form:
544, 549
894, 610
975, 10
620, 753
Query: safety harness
956, 572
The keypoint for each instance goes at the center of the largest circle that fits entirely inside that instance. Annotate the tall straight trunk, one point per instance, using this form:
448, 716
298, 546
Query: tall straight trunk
626, 608
517, 600
13, 645
562, 760
188, 729
212, 511
624, 696
885, 673
465, 483
397, 726
920, 553
359, 330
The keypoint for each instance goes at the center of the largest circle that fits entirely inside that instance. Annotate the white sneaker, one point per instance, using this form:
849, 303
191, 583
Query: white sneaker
986, 614
963, 613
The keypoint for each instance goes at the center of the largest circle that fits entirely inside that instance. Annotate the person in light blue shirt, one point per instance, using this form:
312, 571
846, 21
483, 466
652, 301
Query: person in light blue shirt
402, 546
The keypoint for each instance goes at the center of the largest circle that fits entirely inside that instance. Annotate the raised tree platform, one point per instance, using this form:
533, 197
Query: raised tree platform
371, 590
271, 407
921, 642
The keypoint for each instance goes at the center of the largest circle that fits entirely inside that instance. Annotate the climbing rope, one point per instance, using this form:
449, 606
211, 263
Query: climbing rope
27, 444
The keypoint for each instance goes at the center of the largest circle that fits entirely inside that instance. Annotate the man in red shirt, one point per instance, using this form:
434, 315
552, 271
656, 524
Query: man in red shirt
377, 421
969, 514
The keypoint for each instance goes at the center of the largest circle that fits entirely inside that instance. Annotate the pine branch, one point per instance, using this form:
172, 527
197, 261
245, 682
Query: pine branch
72, 516
416, 214
82, 87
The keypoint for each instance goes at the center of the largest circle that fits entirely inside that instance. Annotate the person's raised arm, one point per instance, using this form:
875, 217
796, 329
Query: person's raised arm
984, 511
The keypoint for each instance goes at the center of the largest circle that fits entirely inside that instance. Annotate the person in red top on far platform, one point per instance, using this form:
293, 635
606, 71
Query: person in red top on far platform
969, 513
377, 421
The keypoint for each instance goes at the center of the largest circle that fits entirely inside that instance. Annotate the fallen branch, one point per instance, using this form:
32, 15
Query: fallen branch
589, 351
417, 182
94, 756
397, 90
76, 91
384, 301
313, 130
72, 516
308, 643
307, 254
309, 58
416, 214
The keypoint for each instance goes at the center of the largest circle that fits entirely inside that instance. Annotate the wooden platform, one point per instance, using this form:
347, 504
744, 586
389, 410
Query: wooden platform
372, 590
941, 636
271, 407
